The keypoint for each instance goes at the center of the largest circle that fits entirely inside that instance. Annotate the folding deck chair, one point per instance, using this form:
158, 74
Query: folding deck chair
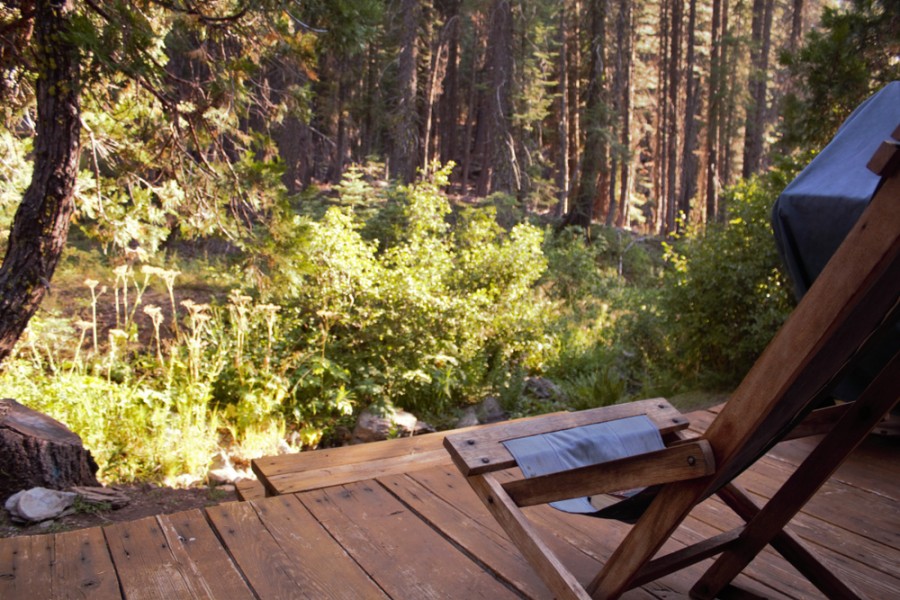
852, 305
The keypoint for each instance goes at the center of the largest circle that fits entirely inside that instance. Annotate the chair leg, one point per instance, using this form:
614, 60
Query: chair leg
789, 546
560, 580
853, 427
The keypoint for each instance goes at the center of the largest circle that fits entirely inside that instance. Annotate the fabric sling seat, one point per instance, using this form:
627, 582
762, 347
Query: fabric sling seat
851, 308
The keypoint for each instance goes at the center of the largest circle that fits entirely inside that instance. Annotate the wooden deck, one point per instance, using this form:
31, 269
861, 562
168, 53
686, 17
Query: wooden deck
395, 519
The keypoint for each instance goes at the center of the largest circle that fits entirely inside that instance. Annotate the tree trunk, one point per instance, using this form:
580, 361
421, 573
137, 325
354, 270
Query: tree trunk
38, 451
689, 159
573, 50
759, 74
662, 115
499, 169
41, 223
449, 102
619, 157
714, 95
727, 117
593, 181
673, 121
437, 71
562, 109
796, 26
473, 138
627, 8
405, 130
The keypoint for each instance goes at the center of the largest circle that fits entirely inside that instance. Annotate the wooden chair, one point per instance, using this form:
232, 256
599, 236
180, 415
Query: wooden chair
853, 302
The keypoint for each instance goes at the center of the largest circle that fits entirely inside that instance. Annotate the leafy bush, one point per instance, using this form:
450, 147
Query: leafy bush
726, 294
423, 317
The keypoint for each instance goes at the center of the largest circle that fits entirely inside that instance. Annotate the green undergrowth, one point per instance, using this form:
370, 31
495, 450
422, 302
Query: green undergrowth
388, 297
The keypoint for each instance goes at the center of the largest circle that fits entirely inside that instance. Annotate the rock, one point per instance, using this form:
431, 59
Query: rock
185, 480
469, 418
39, 504
543, 389
490, 411
224, 475
219, 460
227, 475
285, 448
372, 427
39, 451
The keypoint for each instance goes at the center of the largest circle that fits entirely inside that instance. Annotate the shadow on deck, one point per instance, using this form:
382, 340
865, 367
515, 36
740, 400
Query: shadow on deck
395, 519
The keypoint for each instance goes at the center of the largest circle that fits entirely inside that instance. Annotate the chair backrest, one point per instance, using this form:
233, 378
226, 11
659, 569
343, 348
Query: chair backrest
853, 299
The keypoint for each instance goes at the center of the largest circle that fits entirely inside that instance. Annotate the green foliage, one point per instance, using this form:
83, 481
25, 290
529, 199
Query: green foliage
424, 317
855, 52
153, 408
573, 272
15, 174
726, 294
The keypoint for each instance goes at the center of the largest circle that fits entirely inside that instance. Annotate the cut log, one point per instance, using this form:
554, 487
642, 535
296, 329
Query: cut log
39, 451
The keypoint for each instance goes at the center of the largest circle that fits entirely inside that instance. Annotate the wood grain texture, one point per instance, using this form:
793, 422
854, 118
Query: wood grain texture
145, 564
302, 481
334, 574
686, 461
272, 570
25, 563
561, 582
82, 567
482, 451
445, 501
249, 489
398, 550
202, 558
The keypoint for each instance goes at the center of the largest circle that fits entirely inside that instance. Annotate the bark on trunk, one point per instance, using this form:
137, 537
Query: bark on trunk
627, 167
660, 154
499, 171
449, 102
689, 159
406, 131
712, 115
38, 451
562, 151
593, 182
756, 116
674, 92
573, 49
41, 224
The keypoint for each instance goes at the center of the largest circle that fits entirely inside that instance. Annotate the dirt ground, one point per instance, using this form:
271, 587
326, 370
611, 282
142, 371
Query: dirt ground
145, 500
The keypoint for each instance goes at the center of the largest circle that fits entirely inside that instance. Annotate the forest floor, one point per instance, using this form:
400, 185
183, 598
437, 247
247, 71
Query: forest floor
145, 500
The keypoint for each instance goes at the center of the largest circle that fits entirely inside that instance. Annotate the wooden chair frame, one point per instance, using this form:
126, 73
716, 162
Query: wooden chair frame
854, 300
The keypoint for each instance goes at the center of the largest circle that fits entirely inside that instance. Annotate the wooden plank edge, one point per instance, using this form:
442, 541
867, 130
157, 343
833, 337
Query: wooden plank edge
249, 489
685, 461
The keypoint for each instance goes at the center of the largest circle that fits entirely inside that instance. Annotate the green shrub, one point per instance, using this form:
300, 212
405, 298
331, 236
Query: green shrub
726, 295
425, 318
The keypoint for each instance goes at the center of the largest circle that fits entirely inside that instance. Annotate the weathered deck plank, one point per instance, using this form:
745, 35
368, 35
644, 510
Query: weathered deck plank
25, 567
82, 567
197, 549
146, 565
401, 552
467, 523
419, 531
300, 536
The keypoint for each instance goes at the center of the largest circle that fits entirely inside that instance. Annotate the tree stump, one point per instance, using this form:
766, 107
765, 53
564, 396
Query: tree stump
37, 450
